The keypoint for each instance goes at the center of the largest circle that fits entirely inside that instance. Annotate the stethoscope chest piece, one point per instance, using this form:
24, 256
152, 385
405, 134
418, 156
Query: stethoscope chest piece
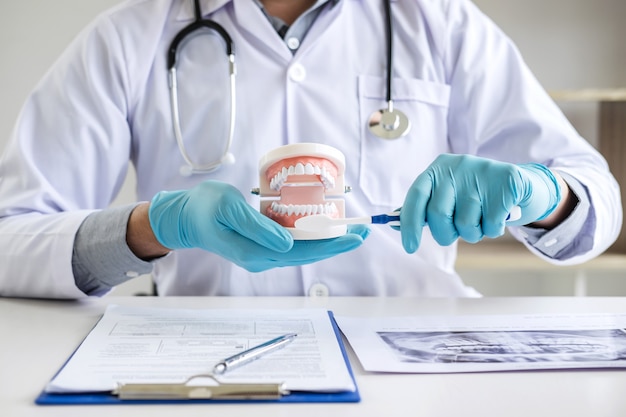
389, 123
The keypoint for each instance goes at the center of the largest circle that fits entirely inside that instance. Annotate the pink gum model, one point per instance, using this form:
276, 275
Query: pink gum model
303, 179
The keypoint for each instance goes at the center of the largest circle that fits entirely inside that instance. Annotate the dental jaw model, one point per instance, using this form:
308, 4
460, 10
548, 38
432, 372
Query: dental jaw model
301, 180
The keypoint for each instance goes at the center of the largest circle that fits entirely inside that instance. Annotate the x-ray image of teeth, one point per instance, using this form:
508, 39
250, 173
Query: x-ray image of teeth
508, 346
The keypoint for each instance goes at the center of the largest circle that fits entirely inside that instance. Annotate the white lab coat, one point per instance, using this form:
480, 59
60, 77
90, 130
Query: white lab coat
105, 103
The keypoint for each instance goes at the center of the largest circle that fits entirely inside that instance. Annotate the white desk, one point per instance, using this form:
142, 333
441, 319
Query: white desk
38, 336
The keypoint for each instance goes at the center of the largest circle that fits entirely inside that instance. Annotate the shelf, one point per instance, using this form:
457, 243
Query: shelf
590, 94
492, 255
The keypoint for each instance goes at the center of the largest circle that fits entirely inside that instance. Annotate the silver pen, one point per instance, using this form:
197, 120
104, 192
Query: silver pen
253, 353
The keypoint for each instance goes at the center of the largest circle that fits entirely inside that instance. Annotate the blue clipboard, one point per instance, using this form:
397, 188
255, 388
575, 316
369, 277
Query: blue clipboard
106, 398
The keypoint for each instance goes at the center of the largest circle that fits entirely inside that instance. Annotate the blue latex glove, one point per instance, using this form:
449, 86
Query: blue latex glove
214, 216
470, 197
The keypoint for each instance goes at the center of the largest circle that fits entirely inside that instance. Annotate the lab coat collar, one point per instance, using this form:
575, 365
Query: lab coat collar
186, 8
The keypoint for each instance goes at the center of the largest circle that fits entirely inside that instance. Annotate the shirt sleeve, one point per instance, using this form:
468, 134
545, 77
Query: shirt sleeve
101, 258
572, 237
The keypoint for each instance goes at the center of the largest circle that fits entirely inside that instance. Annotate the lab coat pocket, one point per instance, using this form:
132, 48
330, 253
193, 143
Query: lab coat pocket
388, 167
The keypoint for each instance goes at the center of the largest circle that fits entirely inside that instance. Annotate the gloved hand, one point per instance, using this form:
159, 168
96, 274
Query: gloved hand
214, 216
470, 197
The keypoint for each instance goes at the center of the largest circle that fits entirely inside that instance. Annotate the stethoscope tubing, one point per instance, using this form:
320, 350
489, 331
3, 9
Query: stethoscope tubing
389, 41
199, 23
383, 129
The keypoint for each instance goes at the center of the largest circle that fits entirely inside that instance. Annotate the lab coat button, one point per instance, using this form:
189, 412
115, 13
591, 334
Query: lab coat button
550, 242
318, 290
297, 73
293, 43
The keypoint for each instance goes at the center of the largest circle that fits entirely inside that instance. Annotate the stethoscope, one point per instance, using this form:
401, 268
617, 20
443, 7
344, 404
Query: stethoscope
386, 123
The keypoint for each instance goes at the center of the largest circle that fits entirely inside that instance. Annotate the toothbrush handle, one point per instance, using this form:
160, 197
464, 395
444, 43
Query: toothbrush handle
386, 218
394, 218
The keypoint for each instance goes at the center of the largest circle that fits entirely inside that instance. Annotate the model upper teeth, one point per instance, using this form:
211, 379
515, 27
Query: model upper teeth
304, 209
277, 182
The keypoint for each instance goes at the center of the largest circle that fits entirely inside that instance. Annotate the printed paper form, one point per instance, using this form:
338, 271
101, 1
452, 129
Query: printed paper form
149, 345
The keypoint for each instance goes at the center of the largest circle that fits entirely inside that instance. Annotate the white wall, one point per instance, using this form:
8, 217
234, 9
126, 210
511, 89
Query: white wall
569, 44
32, 35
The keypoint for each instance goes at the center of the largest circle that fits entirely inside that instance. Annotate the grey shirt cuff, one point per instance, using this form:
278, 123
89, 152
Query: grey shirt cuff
572, 237
101, 258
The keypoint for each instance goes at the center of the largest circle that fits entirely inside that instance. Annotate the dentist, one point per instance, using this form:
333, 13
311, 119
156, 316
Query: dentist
484, 138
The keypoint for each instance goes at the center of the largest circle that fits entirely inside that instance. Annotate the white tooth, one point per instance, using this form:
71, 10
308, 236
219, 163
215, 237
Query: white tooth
274, 206
277, 207
327, 179
298, 210
309, 209
283, 172
318, 171
290, 209
320, 209
299, 169
308, 169
275, 183
291, 170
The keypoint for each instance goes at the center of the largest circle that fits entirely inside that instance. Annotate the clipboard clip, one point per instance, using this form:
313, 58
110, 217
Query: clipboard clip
187, 391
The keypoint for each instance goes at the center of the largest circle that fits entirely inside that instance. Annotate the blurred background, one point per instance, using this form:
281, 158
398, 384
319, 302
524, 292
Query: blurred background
569, 44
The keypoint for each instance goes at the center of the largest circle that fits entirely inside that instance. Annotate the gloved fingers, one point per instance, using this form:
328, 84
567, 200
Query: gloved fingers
468, 220
254, 226
494, 216
362, 230
413, 212
440, 212
309, 251
256, 258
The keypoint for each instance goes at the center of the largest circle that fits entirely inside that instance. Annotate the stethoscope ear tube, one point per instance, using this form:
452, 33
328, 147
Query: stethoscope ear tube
389, 123
192, 27
227, 157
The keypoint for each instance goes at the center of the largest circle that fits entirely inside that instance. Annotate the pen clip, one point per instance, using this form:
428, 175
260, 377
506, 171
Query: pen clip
185, 391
